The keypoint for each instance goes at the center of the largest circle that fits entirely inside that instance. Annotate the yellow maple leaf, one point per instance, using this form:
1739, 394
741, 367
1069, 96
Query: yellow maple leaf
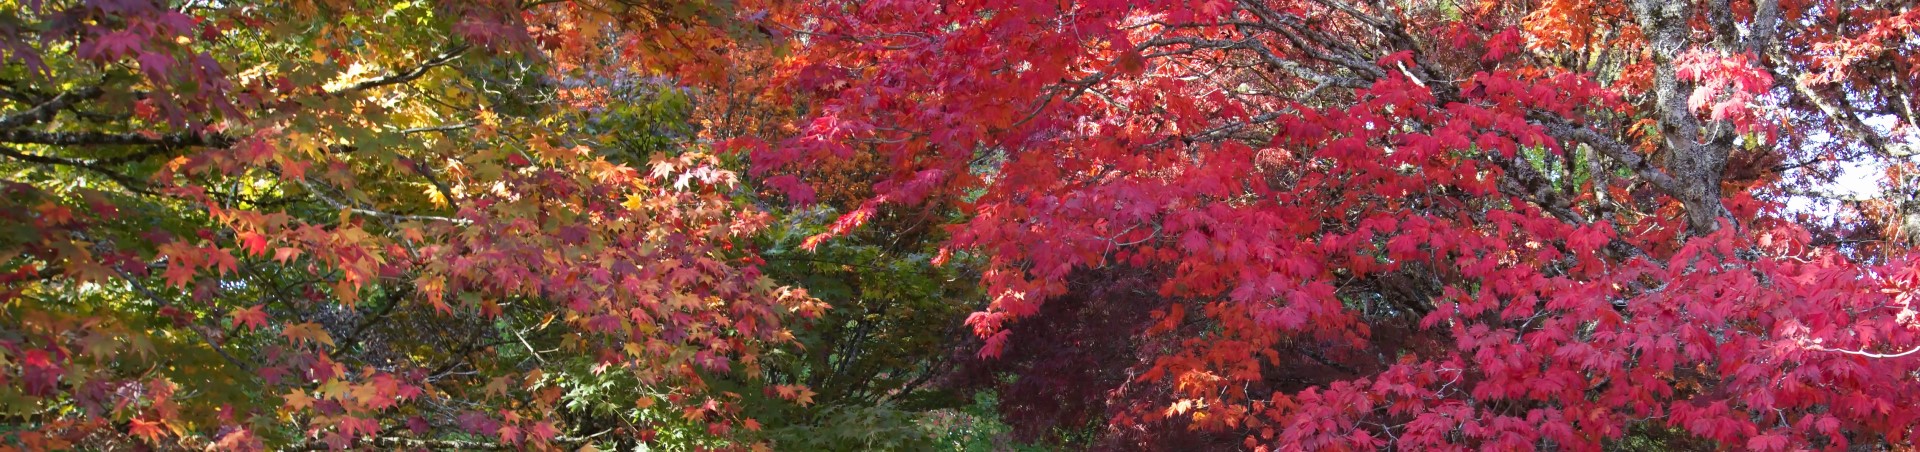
307, 332
634, 202
334, 389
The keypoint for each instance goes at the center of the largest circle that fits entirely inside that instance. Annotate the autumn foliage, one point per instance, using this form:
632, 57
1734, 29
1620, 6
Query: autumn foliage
212, 244
1214, 224
1487, 225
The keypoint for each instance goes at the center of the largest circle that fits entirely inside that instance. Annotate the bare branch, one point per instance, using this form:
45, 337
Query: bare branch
1868, 354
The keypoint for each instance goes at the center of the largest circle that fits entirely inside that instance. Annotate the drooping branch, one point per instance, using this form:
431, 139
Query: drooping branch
1313, 44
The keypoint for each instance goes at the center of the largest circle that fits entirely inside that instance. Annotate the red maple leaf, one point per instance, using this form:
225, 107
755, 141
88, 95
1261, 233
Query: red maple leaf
285, 254
252, 317
542, 431
253, 242
178, 274
509, 433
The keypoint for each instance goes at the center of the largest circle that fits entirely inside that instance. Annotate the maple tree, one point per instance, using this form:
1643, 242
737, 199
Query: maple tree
1221, 224
370, 224
1410, 224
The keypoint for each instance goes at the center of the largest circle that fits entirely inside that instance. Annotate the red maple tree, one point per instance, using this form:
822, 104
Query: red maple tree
1495, 225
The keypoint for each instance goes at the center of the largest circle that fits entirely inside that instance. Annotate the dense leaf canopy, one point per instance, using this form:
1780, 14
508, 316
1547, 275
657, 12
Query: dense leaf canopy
959, 224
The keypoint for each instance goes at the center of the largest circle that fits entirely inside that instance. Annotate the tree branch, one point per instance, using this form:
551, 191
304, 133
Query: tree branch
1848, 121
45, 111
337, 204
1614, 149
97, 166
94, 138
1868, 354
409, 75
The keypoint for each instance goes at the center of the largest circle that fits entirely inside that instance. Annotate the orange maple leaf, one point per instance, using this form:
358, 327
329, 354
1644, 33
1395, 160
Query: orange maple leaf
307, 332
149, 430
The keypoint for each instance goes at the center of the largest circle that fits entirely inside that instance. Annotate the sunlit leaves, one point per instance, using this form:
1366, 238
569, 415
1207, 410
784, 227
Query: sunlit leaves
352, 205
